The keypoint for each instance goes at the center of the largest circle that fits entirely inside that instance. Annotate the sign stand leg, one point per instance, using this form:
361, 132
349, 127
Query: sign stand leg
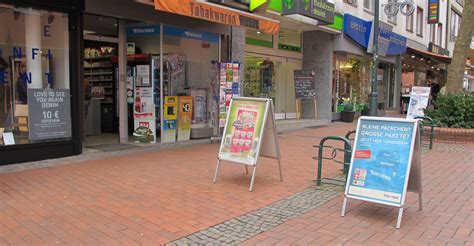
399, 219
344, 205
246, 170
420, 200
217, 170
253, 177
279, 167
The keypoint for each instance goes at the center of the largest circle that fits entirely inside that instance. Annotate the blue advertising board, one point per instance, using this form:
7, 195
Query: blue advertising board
381, 160
359, 31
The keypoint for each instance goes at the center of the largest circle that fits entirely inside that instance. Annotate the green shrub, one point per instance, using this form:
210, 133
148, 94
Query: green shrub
454, 110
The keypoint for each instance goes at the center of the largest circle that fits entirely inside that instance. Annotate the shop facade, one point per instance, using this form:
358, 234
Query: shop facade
423, 66
40, 87
353, 70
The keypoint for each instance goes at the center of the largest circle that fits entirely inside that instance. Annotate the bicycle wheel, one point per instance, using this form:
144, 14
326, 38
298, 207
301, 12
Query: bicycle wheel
391, 9
407, 8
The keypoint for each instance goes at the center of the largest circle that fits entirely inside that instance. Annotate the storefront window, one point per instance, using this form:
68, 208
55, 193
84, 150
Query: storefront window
289, 40
352, 79
177, 103
34, 76
258, 38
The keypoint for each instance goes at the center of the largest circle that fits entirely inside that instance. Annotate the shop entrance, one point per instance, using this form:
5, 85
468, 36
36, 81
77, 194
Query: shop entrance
272, 77
100, 81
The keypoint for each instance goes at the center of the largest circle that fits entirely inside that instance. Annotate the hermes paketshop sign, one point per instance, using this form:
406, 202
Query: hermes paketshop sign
321, 10
217, 14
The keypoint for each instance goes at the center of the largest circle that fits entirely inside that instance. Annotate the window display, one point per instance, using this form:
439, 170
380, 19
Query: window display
34, 76
186, 58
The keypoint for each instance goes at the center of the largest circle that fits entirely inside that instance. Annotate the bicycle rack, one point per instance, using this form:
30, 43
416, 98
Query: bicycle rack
423, 120
347, 155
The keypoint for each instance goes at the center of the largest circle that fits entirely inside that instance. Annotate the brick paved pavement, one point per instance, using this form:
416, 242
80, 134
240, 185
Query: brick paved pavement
158, 197
147, 198
447, 217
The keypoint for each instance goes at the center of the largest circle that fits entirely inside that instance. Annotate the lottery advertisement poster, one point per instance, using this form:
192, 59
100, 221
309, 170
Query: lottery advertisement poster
381, 160
241, 138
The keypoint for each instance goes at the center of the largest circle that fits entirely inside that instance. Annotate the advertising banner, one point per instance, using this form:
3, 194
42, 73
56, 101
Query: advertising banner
170, 119
185, 117
144, 115
229, 81
241, 138
418, 101
433, 11
49, 114
381, 160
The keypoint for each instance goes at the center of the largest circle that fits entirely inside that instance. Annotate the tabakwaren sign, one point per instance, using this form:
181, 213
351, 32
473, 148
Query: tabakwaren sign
320, 10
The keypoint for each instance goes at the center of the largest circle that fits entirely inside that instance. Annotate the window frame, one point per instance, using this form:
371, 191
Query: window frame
409, 23
419, 21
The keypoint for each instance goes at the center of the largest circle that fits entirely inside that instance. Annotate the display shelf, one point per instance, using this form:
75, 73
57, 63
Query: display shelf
98, 58
98, 73
95, 67
100, 80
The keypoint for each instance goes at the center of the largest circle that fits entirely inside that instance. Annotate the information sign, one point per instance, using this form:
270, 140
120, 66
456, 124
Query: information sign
249, 132
382, 159
418, 101
304, 84
49, 114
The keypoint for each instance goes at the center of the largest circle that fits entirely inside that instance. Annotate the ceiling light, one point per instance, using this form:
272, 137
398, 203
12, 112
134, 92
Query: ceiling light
258, 32
421, 59
413, 56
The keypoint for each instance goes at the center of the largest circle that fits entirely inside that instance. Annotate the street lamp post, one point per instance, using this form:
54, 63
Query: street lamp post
391, 9
374, 93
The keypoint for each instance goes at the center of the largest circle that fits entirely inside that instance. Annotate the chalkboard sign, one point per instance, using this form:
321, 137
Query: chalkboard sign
304, 84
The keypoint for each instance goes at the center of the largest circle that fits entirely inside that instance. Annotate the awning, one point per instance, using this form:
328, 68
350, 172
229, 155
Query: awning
431, 55
218, 14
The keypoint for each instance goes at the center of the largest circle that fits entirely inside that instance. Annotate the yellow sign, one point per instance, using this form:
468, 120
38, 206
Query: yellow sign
171, 108
217, 14
185, 117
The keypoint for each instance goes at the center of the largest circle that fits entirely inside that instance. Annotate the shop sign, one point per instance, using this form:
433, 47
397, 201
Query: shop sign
381, 160
49, 114
304, 84
360, 31
243, 131
192, 34
148, 30
433, 11
357, 29
320, 10
438, 49
185, 117
250, 132
221, 15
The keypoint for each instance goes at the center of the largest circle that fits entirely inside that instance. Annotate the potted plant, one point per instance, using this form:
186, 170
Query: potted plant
365, 109
347, 114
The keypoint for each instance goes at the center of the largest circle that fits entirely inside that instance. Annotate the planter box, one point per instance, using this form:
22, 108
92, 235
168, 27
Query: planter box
347, 116
336, 116
452, 135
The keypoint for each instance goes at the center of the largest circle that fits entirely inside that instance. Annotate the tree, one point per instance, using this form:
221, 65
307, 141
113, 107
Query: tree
458, 63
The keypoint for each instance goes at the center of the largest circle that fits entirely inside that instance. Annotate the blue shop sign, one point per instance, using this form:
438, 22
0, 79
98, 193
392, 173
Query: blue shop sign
398, 44
154, 30
357, 29
149, 30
